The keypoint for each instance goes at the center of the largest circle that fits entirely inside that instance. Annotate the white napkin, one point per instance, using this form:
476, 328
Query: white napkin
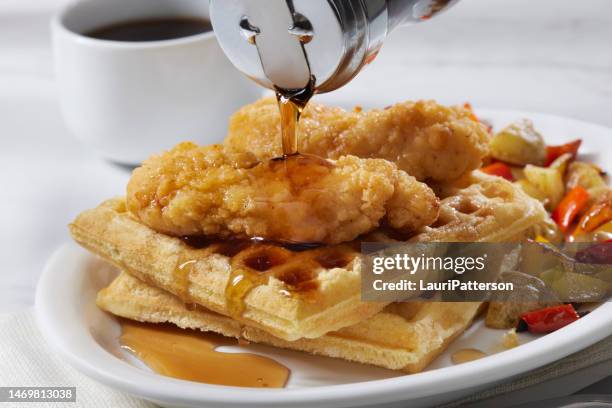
27, 361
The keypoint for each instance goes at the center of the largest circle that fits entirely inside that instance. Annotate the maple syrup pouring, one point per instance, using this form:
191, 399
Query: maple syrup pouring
291, 104
190, 355
301, 170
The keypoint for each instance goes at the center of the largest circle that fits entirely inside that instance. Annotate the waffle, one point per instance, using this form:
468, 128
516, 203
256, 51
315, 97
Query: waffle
395, 338
483, 208
291, 294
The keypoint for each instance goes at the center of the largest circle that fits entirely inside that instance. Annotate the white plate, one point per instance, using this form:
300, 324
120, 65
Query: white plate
87, 337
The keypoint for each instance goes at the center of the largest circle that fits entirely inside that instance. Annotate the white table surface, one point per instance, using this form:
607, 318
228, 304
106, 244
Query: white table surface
547, 55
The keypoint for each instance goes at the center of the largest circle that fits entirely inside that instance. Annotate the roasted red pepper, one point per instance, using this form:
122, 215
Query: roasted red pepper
550, 319
553, 152
597, 215
569, 207
499, 169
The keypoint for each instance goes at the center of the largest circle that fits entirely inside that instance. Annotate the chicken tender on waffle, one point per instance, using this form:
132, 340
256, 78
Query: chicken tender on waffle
389, 339
193, 190
288, 293
427, 140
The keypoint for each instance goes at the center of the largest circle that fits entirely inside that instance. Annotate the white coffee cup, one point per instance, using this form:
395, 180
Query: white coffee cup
131, 99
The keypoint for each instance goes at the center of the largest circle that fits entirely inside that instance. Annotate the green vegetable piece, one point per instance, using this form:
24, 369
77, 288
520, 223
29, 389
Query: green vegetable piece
550, 276
574, 287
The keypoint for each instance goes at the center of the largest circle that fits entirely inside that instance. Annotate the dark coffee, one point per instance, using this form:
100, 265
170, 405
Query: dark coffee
156, 29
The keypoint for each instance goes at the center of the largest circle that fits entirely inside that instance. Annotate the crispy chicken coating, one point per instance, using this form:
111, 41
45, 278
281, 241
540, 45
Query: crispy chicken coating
193, 190
427, 140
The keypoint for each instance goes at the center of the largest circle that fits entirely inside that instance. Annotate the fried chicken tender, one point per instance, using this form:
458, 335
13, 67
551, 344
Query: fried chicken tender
194, 190
427, 140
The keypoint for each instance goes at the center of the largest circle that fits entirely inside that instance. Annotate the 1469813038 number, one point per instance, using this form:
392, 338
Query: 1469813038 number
37, 394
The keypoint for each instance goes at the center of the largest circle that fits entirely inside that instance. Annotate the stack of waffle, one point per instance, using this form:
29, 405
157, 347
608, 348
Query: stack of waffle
308, 298
305, 299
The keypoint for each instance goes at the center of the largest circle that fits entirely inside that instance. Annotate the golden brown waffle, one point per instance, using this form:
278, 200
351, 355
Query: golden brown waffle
483, 208
290, 294
389, 339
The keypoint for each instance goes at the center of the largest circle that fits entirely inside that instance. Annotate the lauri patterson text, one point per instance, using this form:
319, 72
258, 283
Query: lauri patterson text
452, 285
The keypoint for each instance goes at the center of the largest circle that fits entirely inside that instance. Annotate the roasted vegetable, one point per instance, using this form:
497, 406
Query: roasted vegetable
561, 163
588, 176
602, 234
499, 169
573, 286
532, 190
529, 293
505, 315
550, 319
519, 143
553, 152
517, 172
595, 217
549, 181
605, 275
537, 257
570, 206
579, 288
600, 254
551, 275
547, 231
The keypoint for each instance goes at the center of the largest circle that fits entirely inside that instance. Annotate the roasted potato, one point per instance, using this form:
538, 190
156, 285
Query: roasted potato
532, 190
549, 181
588, 176
530, 294
519, 143
562, 162
546, 230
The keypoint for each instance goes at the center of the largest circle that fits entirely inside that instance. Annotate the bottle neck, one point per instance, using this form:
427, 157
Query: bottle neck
398, 12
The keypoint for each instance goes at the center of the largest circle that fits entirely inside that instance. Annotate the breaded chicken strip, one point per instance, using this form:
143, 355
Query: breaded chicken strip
425, 139
194, 190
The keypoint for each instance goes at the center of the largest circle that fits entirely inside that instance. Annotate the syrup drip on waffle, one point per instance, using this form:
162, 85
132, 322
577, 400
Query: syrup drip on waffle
254, 262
